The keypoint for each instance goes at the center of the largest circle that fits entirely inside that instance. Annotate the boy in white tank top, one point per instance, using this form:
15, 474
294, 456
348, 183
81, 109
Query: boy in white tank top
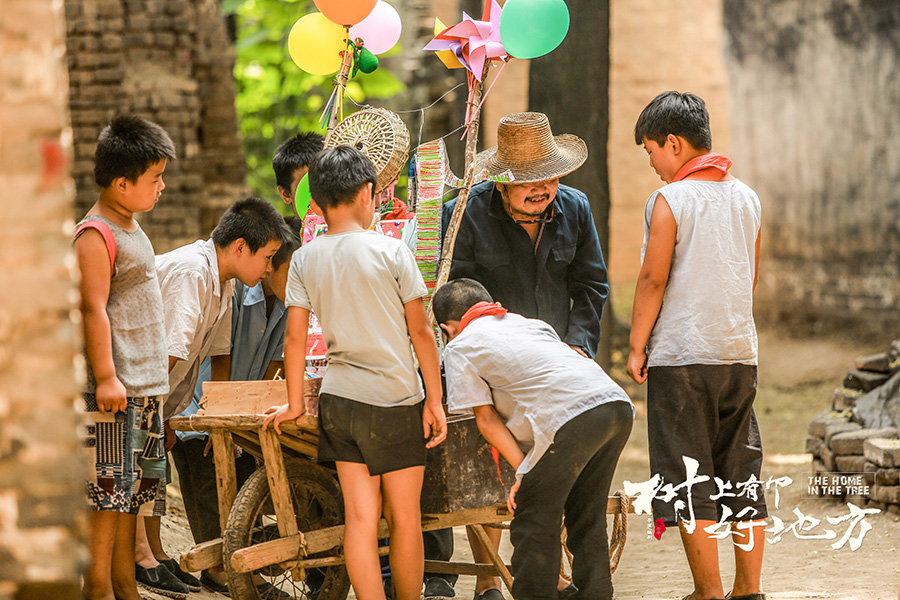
693, 340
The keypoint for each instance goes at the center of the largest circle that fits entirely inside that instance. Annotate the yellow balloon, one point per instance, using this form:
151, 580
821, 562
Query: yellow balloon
315, 44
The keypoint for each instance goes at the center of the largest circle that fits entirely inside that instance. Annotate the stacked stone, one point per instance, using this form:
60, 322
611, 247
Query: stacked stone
171, 62
860, 432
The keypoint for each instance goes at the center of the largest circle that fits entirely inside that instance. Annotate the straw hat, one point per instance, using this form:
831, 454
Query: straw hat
527, 147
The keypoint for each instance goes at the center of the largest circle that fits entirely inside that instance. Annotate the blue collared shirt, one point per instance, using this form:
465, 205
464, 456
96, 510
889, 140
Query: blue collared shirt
563, 281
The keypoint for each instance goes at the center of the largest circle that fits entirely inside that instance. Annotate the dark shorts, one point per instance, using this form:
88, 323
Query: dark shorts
705, 412
384, 439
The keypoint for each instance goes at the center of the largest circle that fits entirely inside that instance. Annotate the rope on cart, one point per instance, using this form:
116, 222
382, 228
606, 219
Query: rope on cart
616, 540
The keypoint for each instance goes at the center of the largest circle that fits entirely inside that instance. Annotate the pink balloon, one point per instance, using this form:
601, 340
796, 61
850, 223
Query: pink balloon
380, 31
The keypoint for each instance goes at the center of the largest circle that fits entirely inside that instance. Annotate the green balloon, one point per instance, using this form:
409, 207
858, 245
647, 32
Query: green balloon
302, 197
532, 28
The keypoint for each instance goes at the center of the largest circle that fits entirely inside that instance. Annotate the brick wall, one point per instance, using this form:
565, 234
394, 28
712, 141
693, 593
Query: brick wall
41, 468
171, 62
814, 94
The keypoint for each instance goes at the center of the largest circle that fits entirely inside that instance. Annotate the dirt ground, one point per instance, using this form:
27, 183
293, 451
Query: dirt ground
796, 378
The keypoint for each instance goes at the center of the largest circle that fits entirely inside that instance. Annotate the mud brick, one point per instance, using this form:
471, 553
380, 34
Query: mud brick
850, 464
894, 509
851, 442
869, 479
869, 467
818, 466
857, 500
876, 504
838, 428
887, 476
844, 398
864, 380
882, 452
889, 494
817, 426
814, 446
828, 460
876, 363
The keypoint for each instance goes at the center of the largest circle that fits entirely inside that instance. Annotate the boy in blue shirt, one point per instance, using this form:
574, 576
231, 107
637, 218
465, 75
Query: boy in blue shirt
693, 340
367, 292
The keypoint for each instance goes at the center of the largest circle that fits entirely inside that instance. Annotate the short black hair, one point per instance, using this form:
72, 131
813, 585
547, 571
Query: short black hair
254, 220
681, 114
295, 225
337, 174
451, 301
293, 154
127, 147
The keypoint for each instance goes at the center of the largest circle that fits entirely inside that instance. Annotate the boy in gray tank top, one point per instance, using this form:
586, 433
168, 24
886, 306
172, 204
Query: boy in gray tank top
693, 340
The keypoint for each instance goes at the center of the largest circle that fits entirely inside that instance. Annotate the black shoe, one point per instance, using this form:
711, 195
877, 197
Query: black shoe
213, 585
160, 581
491, 594
192, 583
437, 588
567, 592
758, 596
267, 591
388, 585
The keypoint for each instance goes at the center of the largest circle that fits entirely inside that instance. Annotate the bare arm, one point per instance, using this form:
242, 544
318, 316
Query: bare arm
93, 262
756, 268
651, 286
422, 336
495, 432
294, 368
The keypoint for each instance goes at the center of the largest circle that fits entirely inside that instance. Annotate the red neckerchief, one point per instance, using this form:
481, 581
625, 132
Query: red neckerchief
480, 310
707, 161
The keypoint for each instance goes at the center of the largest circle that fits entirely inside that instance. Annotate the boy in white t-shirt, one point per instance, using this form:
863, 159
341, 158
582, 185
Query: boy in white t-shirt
693, 340
556, 417
367, 292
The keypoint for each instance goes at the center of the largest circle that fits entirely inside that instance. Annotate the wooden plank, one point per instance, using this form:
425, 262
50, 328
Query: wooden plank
488, 546
458, 568
305, 423
226, 477
280, 491
202, 556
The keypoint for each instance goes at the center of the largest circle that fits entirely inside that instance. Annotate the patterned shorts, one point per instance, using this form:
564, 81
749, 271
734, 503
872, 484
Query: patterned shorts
128, 453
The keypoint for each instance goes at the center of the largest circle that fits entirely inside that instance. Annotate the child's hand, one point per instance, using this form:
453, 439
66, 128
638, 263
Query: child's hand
434, 424
110, 395
511, 501
277, 414
637, 366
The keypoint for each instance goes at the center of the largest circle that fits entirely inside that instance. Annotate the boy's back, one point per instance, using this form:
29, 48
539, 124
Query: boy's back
707, 311
357, 283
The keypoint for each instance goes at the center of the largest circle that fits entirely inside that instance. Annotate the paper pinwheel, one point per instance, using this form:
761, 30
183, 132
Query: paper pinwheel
471, 42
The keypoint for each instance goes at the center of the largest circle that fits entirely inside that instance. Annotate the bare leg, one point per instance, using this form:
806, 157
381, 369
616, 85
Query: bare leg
703, 558
153, 526
484, 583
362, 510
97, 582
402, 490
123, 582
748, 564
143, 552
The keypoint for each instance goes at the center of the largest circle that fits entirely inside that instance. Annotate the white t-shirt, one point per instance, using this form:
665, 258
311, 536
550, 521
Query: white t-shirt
536, 382
198, 316
357, 283
707, 310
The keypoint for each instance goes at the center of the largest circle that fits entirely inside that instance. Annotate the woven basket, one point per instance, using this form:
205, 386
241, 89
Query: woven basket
380, 135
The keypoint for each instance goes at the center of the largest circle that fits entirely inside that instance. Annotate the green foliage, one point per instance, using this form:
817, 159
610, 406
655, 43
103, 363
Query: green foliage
275, 99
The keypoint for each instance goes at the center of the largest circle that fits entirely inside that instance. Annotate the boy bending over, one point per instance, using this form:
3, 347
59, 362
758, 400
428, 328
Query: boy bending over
367, 292
556, 416
693, 339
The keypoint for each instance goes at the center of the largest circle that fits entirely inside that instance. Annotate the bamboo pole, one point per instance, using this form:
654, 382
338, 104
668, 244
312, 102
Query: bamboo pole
463, 197
340, 83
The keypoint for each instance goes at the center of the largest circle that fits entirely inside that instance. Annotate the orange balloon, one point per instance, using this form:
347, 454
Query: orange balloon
346, 12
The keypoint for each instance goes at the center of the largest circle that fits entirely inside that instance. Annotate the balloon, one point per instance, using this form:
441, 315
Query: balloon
302, 197
380, 30
315, 44
346, 12
532, 28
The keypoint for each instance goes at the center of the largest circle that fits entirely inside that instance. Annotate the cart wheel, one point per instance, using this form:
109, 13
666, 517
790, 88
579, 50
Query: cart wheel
317, 504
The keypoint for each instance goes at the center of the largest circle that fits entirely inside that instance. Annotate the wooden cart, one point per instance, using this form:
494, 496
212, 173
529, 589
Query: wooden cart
286, 521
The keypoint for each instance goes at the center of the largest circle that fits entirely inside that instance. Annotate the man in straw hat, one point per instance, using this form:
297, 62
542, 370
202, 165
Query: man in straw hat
533, 244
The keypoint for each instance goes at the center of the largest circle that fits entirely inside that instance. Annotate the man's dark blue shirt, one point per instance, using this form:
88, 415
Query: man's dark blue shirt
563, 281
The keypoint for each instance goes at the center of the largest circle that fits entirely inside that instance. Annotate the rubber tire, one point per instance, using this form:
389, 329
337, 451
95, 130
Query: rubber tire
307, 480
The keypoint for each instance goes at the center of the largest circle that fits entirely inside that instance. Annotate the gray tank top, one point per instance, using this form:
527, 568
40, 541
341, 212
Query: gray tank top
136, 317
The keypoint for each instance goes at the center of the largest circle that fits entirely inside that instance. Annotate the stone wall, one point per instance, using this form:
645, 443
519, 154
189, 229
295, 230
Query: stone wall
169, 61
814, 98
42, 474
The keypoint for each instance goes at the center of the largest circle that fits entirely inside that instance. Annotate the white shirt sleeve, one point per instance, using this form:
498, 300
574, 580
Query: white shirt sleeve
295, 293
412, 285
221, 343
181, 292
465, 387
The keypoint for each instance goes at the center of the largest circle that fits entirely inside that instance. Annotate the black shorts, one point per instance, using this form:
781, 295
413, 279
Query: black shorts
705, 412
385, 439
